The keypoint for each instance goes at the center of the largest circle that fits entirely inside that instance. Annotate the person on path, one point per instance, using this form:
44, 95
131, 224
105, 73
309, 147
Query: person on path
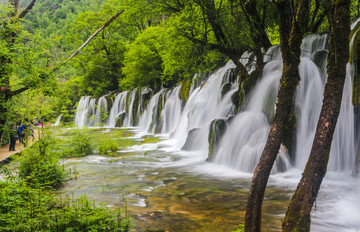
13, 137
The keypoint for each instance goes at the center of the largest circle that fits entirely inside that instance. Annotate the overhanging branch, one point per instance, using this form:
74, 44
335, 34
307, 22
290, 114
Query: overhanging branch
93, 35
27, 9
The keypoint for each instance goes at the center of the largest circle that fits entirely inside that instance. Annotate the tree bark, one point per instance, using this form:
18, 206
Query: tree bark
290, 47
298, 214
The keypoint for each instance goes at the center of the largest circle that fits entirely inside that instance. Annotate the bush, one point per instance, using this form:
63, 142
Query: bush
40, 166
80, 143
107, 146
77, 143
23, 208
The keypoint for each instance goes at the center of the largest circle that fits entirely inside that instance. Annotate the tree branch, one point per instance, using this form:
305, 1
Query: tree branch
93, 35
27, 9
18, 91
89, 39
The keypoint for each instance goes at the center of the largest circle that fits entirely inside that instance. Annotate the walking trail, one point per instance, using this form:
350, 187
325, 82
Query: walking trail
4, 150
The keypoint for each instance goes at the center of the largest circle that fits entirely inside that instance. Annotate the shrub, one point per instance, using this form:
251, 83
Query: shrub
40, 166
80, 143
107, 146
23, 208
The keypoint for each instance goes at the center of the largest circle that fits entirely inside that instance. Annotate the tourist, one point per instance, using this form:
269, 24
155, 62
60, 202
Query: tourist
13, 137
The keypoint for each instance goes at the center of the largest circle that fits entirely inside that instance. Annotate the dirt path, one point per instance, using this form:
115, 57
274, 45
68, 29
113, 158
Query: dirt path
4, 150
5, 153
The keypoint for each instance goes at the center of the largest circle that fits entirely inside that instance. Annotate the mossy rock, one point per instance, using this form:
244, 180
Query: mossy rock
355, 49
356, 90
216, 132
185, 89
120, 119
237, 99
250, 82
225, 89
319, 58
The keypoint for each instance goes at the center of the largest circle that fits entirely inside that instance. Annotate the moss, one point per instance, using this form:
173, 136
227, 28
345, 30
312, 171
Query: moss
151, 140
185, 89
356, 90
225, 88
249, 82
217, 130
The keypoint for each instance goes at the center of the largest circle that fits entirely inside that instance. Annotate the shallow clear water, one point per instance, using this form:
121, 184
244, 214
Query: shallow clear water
168, 190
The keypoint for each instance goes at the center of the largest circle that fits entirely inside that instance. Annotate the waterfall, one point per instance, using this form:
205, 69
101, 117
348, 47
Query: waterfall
210, 98
85, 110
118, 108
101, 111
58, 120
243, 142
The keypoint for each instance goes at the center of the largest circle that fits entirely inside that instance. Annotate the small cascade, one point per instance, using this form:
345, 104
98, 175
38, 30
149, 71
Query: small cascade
150, 118
313, 43
131, 110
58, 120
308, 103
171, 113
342, 155
118, 111
101, 112
84, 111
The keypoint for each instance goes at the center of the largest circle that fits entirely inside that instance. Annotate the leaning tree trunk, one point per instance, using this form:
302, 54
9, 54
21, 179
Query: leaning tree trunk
290, 47
298, 214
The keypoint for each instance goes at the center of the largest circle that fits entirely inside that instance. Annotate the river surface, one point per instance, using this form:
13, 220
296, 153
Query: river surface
167, 190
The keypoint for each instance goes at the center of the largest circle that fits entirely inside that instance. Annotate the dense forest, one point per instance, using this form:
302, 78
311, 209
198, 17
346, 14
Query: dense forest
159, 44
154, 43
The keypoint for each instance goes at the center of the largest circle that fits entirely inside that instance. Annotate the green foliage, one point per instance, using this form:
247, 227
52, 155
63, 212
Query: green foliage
40, 166
150, 140
23, 208
108, 144
241, 228
80, 143
143, 63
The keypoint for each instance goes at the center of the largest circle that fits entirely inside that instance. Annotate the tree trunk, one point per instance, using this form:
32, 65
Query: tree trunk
298, 214
290, 47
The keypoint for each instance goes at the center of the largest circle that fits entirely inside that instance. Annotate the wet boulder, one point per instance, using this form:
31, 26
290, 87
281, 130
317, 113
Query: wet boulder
225, 88
319, 58
119, 121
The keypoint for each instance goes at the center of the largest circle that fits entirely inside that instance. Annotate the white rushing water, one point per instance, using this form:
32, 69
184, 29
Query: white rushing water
58, 120
244, 139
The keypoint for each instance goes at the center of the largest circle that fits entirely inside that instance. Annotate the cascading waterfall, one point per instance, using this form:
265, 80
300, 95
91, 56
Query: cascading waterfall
246, 133
84, 111
118, 108
243, 142
171, 113
101, 111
